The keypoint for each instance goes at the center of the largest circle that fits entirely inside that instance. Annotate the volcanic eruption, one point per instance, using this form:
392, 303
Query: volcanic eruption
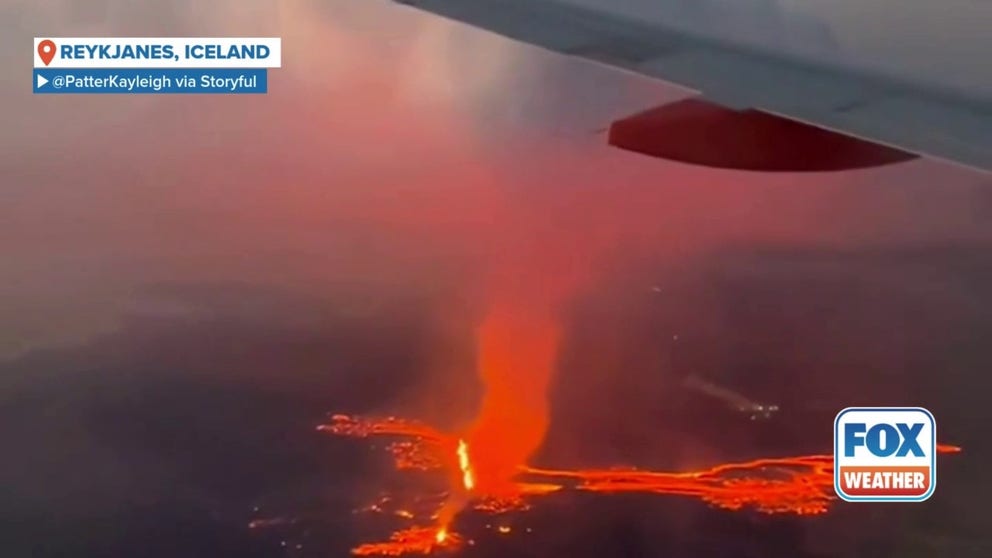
533, 270
488, 464
801, 485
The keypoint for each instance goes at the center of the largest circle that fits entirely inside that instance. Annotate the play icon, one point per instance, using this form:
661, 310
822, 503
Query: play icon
41, 81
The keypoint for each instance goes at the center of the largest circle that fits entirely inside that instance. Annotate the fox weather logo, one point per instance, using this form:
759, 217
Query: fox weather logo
885, 454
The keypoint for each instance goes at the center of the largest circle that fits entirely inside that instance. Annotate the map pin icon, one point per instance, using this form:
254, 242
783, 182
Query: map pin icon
46, 50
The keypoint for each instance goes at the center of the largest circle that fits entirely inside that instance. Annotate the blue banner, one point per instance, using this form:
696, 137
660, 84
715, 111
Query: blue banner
232, 81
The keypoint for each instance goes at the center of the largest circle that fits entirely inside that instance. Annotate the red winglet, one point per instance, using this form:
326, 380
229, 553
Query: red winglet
701, 133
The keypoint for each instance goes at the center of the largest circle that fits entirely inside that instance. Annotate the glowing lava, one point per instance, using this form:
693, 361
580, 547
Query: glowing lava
468, 478
416, 540
789, 485
796, 485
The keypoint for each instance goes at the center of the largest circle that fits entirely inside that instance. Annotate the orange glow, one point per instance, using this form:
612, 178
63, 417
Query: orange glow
789, 485
416, 540
516, 356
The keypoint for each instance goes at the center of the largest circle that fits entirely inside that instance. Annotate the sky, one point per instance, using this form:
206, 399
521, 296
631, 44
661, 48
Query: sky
399, 171
369, 93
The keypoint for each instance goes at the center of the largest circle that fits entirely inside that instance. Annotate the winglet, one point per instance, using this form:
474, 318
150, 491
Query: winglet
697, 132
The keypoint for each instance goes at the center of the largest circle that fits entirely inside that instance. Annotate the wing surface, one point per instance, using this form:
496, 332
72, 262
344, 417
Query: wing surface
935, 123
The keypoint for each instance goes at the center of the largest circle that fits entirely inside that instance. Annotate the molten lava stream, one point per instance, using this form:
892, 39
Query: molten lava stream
800, 485
415, 540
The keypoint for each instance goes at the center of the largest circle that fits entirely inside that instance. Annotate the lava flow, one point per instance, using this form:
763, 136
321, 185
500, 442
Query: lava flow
415, 540
791, 485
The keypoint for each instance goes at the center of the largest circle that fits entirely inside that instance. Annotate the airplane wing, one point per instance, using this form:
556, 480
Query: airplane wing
759, 94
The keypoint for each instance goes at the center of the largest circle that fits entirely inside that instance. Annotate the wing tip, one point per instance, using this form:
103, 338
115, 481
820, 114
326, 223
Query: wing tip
698, 132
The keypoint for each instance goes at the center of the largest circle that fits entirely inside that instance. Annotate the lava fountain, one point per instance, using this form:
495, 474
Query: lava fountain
517, 351
537, 267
